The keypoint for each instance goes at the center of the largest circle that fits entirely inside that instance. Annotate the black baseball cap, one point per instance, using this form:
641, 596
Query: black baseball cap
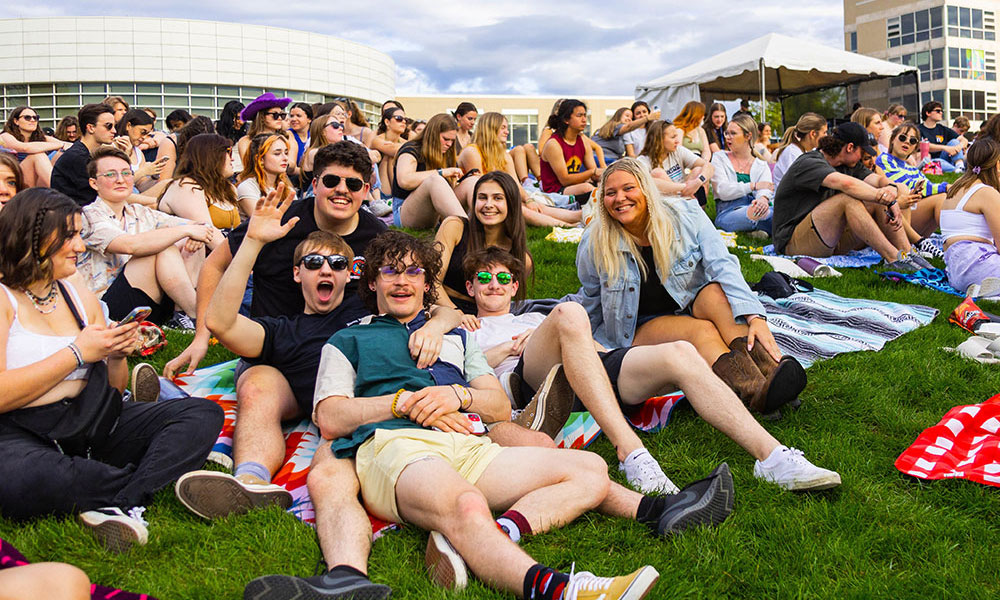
856, 134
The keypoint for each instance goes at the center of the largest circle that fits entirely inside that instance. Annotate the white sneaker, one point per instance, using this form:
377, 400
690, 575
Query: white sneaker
788, 468
644, 473
634, 586
211, 494
117, 530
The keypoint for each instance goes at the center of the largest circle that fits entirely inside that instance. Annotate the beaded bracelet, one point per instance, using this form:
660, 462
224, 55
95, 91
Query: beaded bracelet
395, 399
76, 354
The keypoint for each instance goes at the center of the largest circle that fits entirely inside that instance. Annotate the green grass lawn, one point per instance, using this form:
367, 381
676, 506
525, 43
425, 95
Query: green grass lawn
880, 534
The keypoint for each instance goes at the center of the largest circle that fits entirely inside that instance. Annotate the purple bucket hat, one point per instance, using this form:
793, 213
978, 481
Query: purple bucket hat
265, 100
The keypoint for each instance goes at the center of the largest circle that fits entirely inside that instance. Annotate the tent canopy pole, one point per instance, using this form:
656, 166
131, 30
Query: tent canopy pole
763, 99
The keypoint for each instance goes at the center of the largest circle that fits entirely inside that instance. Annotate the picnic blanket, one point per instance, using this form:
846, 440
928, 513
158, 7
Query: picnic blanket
818, 325
935, 279
858, 259
964, 444
301, 439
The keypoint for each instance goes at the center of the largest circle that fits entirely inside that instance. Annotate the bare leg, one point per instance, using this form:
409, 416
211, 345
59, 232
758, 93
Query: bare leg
193, 261
672, 328
911, 234
840, 211
897, 237
264, 399
172, 277
563, 214
540, 219
53, 581
712, 305
37, 170
578, 188
520, 162
564, 336
345, 533
432, 200
464, 191
653, 370
926, 217
432, 496
533, 160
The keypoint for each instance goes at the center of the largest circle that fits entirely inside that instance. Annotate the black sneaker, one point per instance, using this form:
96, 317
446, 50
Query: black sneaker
331, 586
705, 502
929, 249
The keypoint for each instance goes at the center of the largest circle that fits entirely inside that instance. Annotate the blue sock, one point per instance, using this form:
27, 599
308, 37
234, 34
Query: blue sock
253, 468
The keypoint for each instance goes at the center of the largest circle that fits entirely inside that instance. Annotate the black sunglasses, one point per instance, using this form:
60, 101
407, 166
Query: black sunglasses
313, 262
335, 124
29, 117
276, 115
353, 183
399, 118
902, 137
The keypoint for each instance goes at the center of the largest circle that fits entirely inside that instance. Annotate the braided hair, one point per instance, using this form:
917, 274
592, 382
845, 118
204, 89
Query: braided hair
46, 218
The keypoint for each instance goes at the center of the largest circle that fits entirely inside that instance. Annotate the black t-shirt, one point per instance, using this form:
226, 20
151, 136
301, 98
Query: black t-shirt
653, 299
801, 190
411, 149
275, 292
939, 134
293, 345
69, 175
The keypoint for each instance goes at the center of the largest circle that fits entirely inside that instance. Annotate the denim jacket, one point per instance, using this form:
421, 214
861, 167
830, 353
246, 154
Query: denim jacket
700, 258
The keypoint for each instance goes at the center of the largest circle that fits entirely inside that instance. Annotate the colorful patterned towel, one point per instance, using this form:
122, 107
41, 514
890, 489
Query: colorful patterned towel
301, 440
855, 259
935, 279
966, 444
818, 325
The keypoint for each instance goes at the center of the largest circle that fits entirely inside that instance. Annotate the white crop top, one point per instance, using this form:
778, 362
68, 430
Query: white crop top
26, 347
957, 221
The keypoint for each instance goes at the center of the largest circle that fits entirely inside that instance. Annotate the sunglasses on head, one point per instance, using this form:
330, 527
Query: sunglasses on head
392, 271
277, 115
335, 124
912, 140
503, 277
353, 183
313, 262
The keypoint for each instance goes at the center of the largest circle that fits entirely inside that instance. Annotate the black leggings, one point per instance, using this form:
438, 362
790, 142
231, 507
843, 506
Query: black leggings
152, 445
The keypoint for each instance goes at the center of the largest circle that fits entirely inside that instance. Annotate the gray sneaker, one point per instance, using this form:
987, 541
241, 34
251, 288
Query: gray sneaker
920, 261
329, 586
903, 265
380, 208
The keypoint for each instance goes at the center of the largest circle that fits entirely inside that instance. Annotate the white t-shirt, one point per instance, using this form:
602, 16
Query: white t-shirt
497, 330
248, 188
788, 156
636, 137
675, 163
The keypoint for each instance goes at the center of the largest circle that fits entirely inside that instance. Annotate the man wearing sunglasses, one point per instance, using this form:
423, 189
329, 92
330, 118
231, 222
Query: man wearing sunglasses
946, 145
69, 175
523, 349
281, 357
339, 184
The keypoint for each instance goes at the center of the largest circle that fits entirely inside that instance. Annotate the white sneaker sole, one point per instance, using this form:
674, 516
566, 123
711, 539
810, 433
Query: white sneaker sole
444, 565
211, 495
824, 482
114, 534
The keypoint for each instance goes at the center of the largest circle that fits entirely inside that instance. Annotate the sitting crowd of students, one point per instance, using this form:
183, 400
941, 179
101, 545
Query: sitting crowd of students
399, 349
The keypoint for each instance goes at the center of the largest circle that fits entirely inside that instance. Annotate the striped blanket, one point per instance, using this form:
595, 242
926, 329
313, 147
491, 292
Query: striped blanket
818, 325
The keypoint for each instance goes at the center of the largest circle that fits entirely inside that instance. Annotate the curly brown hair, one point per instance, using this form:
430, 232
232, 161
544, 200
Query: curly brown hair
34, 224
391, 248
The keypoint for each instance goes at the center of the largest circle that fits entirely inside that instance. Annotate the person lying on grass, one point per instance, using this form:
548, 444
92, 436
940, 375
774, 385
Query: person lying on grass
417, 461
528, 346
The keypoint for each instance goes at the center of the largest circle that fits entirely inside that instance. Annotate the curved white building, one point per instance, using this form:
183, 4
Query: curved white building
56, 65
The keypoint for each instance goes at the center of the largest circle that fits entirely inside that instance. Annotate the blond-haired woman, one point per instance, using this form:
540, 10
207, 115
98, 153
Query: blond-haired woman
655, 271
425, 178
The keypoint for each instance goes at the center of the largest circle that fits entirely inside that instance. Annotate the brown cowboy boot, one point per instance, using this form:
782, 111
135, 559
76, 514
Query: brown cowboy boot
785, 379
737, 369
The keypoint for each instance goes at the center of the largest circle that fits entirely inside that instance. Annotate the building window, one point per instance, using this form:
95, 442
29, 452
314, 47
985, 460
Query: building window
971, 23
523, 126
930, 63
975, 104
918, 26
854, 41
968, 63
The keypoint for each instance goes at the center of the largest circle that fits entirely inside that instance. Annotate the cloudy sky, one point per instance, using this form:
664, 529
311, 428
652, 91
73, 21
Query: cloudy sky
590, 47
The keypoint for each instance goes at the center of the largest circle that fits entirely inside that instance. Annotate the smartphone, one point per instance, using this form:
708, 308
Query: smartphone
139, 313
170, 390
478, 428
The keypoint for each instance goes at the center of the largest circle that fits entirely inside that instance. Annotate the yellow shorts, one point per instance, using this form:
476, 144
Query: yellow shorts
382, 458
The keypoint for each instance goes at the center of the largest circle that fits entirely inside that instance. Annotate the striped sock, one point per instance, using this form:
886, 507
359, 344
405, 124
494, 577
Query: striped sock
514, 525
544, 583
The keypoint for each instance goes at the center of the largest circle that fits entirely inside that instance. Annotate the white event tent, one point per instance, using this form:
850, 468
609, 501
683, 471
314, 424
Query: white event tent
772, 67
